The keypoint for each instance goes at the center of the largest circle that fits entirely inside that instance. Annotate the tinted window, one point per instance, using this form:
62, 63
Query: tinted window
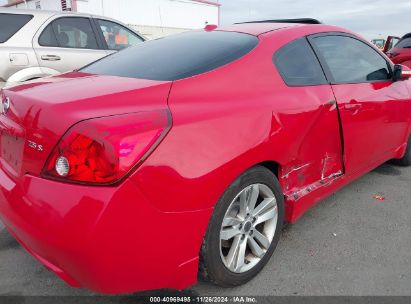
176, 57
73, 32
11, 24
117, 36
404, 43
298, 64
352, 61
48, 38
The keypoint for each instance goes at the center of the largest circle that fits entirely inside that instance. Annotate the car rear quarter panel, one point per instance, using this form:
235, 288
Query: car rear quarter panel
224, 122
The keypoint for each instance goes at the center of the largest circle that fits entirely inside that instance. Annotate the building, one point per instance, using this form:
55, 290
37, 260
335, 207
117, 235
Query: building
152, 18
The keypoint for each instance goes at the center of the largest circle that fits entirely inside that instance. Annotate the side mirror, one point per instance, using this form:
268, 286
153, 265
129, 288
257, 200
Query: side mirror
401, 72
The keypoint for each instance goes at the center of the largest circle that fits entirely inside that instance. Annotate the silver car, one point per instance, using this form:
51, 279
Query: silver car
35, 43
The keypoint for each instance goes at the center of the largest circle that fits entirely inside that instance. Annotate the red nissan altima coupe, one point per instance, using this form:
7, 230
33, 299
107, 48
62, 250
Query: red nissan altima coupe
185, 155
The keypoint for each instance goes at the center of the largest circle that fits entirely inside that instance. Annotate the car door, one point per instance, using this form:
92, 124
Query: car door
115, 36
374, 109
68, 43
312, 118
391, 42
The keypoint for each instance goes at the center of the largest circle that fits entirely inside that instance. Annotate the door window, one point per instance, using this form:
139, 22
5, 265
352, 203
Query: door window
352, 61
117, 36
48, 38
69, 32
298, 65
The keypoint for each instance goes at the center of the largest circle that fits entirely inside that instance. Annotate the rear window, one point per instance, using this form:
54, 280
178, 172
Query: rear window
176, 57
10, 24
404, 43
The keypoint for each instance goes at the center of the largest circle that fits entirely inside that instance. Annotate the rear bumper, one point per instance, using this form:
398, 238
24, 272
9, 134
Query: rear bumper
107, 239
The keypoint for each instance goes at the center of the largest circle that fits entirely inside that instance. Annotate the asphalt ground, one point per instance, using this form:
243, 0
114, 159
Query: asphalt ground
350, 244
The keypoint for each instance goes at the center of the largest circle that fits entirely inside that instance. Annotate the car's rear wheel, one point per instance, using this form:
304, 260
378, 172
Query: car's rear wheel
244, 229
406, 159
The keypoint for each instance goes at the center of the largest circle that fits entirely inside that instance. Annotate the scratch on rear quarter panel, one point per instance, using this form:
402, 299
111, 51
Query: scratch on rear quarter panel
294, 178
286, 175
296, 195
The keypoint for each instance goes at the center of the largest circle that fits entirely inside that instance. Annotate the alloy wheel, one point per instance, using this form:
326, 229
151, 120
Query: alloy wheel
248, 228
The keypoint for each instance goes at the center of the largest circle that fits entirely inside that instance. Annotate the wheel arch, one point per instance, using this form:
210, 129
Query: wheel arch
273, 166
31, 73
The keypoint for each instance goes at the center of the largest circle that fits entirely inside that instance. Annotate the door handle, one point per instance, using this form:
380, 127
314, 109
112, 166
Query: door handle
330, 103
352, 106
50, 57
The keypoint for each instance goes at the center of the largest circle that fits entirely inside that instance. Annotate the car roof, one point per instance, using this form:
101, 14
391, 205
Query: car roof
257, 28
260, 28
43, 13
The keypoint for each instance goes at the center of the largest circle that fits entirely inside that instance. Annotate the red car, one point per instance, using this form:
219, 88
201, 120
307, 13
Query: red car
401, 52
186, 154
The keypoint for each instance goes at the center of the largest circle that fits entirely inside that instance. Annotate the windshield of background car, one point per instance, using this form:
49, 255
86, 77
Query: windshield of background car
404, 43
176, 57
10, 24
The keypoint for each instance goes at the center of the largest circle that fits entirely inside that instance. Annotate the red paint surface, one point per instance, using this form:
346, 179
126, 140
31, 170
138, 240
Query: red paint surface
400, 56
146, 232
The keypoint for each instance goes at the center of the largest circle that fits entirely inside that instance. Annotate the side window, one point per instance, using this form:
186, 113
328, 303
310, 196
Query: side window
298, 65
48, 38
69, 32
117, 36
352, 61
10, 24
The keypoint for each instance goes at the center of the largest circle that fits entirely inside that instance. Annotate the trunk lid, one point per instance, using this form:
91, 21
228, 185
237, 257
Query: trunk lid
37, 114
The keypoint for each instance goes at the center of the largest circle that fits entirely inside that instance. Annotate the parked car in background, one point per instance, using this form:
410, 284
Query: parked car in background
401, 51
35, 43
188, 154
390, 43
379, 43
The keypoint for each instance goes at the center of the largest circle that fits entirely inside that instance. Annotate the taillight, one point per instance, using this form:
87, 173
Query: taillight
105, 150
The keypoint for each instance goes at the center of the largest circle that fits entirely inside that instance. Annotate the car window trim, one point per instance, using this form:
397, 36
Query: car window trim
325, 66
100, 47
28, 15
99, 34
96, 20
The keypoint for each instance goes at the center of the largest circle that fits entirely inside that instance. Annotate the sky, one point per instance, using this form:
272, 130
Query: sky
370, 18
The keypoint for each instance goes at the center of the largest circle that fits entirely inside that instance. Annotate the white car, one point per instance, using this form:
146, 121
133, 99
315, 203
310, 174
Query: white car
36, 43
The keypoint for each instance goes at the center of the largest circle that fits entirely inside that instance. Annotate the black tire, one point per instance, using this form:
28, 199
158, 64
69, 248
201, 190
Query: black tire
211, 267
405, 161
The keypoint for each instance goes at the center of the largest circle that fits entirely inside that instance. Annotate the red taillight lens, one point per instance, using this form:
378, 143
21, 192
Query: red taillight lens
104, 150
